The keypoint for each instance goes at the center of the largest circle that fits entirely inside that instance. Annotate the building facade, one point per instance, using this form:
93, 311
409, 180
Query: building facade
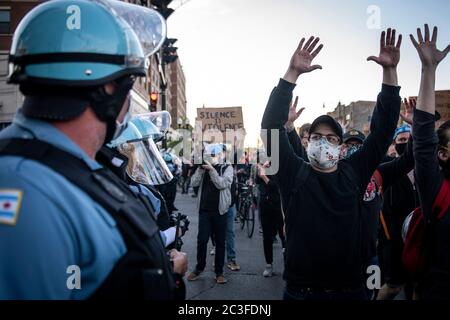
176, 93
357, 115
11, 12
170, 76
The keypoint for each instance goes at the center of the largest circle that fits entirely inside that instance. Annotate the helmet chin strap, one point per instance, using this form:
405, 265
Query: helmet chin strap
107, 107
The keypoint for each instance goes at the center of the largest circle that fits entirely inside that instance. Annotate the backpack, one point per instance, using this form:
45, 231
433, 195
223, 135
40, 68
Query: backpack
233, 191
233, 188
417, 240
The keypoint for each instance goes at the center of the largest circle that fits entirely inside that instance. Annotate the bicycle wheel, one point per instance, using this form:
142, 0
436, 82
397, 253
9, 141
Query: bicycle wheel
250, 220
243, 215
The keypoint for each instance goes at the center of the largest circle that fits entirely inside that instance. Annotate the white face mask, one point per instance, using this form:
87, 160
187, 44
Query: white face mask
322, 154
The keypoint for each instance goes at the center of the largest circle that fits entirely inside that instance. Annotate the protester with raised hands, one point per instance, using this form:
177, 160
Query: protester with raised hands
322, 200
432, 169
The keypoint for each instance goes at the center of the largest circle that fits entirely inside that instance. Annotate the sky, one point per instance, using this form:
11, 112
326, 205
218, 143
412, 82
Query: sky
234, 51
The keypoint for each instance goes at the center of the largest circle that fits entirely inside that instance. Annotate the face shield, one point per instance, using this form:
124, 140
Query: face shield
145, 164
146, 127
162, 120
152, 125
148, 25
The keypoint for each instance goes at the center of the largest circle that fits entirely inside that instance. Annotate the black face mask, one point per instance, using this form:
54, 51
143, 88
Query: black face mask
107, 107
400, 148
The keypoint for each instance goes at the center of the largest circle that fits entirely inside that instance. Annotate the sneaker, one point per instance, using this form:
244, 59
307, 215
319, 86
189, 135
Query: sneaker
268, 272
233, 266
213, 251
221, 279
193, 275
194, 196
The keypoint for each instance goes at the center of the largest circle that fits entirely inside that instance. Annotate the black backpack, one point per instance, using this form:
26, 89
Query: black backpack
233, 191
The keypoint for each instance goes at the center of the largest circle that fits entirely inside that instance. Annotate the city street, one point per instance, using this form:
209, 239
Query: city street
248, 283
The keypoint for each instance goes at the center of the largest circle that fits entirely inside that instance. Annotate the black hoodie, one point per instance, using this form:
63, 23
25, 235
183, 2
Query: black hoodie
323, 216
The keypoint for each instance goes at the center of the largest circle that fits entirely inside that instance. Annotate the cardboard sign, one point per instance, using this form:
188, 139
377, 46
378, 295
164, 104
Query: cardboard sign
221, 119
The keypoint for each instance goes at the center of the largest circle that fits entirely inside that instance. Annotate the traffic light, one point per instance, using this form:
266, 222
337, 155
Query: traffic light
169, 51
170, 54
153, 101
161, 7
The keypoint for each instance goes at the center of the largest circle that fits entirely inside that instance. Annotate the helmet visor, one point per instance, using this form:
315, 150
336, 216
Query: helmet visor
148, 25
145, 164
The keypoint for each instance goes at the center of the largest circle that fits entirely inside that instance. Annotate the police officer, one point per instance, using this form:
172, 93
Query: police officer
169, 189
135, 158
70, 229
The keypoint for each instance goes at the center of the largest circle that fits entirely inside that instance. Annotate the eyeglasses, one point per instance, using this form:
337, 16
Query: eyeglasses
331, 138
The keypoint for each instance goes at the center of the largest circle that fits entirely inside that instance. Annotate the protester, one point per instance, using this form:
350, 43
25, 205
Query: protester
169, 189
322, 200
66, 209
214, 178
230, 236
185, 176
399, 201
304, 134
389, 173
431, 152
269, 206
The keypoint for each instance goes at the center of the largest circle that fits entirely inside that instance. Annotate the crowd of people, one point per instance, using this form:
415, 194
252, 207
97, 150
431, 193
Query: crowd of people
84, 185
347, 203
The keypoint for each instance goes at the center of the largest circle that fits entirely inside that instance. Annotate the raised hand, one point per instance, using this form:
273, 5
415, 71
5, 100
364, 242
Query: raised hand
429, 54
293, 113
389, 55
344, 125
302, 58
408, 113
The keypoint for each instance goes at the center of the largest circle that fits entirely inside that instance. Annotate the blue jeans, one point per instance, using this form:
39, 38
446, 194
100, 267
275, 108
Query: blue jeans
231, 253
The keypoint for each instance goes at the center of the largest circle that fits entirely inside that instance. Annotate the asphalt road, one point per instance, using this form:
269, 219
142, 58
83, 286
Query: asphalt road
248, 283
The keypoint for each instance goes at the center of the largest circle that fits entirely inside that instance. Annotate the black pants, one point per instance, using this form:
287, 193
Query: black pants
211, 223
272, 223
293, 294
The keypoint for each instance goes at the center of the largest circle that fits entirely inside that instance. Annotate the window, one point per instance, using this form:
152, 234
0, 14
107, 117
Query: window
5, 21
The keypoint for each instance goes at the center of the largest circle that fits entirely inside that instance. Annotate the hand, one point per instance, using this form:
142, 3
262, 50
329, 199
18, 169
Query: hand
344, 125
302, 59
408, 114
428, 53
293, 114
207, 166
389, 55
180, 261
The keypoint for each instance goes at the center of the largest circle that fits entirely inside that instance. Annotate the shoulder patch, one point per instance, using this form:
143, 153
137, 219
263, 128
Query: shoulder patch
10, 201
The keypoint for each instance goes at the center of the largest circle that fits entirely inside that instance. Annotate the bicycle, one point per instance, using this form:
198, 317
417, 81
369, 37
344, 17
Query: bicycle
246, 208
